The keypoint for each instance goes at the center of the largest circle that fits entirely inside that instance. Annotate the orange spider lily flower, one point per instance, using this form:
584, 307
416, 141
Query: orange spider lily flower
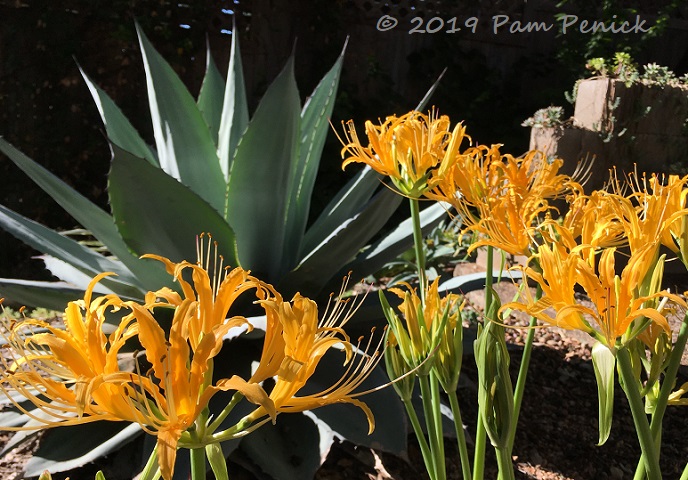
182, 387
73, 375
615, 298
407, 149
533, 174
508, 222
472, 178
296, 341
213, 295
556, 272
60, 370
593, 219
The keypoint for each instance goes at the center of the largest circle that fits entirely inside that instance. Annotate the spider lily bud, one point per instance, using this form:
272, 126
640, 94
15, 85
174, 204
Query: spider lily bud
495, 392
398, 368
450, 352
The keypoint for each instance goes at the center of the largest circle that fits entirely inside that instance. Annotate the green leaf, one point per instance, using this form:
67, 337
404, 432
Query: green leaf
234, 109
186, 150
51, 295
342, 245
395, 242
315, 124
349, 200
157, 214
92, 217
66, 448
210, 97
604, 363
119, 129
259, 175
67, 250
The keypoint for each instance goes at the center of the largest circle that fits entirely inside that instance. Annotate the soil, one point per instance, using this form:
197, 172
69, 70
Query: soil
557, 433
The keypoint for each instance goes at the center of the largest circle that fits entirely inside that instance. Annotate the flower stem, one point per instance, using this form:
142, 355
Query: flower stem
479, 454
505, 464
418, 247
523, 372
488, 278
422, 442
430, 407
480, 432
642, 428
197, 463
664, 392
151, 469
437, 413
236, 398
460, 436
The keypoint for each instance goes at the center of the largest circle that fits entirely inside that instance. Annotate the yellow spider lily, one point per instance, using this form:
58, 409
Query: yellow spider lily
533, 174
615, 297
73, 375
594, 220
406, 149
556, 272
508, 222
296, 341
61, 370
213, 296
422, 325
471, 179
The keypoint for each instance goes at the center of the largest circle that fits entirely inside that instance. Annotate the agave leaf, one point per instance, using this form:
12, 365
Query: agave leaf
342, 245
51, 295
67, 250
424, 101
348, 421
12, 417
157, 214
287, 450
259, 175
234, 109
92, 217
210, 97
64, 448
314, 127
186, 150
348, 201
119, 129
473, 281
604, 363
395, 243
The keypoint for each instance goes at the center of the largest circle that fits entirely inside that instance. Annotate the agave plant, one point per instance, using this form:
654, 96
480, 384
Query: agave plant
248, 183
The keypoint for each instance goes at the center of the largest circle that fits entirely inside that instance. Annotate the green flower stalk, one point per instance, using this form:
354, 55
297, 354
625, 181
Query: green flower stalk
425, 335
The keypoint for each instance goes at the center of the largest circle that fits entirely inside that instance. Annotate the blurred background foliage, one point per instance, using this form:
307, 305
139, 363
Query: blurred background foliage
493, 81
